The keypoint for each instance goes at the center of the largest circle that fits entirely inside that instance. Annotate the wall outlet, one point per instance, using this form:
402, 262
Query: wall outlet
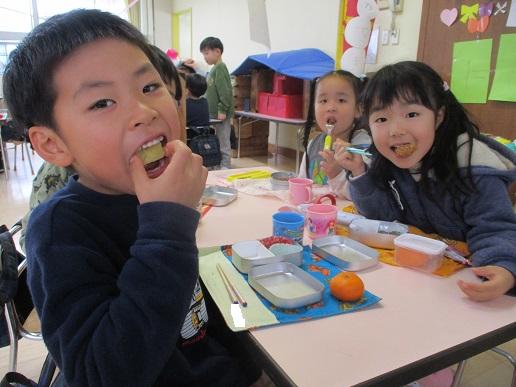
395, 36
385, 37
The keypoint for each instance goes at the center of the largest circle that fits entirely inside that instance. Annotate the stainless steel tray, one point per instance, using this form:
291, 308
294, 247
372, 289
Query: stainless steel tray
285, 285
218, 196
345, 253
249, 254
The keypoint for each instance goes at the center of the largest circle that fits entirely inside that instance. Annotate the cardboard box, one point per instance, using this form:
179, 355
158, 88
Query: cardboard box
261, 81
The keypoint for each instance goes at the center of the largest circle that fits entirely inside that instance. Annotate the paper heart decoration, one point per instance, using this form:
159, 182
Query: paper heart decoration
478, 25
448, 16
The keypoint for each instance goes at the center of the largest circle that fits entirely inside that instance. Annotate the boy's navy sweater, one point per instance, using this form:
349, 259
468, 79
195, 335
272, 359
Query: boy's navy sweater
485, 219
197, 112
116, 287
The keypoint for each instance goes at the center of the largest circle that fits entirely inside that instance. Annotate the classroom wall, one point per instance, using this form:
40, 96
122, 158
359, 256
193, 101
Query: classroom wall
293, 24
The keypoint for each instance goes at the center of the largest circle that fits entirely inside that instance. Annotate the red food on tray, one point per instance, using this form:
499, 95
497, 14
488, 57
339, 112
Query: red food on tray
269, 241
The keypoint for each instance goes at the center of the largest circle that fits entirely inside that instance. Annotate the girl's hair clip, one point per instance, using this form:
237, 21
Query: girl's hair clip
445, 86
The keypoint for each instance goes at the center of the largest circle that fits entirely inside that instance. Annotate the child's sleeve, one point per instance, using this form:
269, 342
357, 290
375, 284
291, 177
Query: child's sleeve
492, 236
224, 90
371, 201
340, 186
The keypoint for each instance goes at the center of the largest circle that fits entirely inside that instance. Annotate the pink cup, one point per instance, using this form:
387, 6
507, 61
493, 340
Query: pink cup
320, 220
300, 190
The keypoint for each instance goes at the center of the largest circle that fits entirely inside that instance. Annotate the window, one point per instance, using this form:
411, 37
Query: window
5, 50
18, 18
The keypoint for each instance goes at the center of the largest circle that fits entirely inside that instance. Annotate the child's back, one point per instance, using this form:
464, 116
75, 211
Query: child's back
113, 267
197, 109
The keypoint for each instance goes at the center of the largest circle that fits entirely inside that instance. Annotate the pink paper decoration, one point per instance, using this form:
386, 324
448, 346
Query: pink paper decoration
448, 16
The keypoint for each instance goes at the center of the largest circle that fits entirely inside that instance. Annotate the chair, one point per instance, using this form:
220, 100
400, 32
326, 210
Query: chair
462, 365
11, 134
18, 306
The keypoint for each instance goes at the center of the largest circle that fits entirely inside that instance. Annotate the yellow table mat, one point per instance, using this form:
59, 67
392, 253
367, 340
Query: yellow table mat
255, 314
447, 268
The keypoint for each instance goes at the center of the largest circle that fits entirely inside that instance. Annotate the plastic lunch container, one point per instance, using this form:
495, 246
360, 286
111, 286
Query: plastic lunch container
418, 252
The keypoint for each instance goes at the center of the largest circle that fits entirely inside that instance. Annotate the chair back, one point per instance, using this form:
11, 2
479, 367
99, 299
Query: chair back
16, 304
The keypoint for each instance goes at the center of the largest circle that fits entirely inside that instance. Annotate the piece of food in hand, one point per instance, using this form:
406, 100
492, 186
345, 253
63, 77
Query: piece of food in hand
347, 287
154, 152
405, 150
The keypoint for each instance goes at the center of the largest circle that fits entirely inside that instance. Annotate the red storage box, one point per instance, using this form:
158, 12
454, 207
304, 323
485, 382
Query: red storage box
287, 106
283, 84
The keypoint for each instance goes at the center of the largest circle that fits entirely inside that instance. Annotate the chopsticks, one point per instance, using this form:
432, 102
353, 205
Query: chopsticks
234, 295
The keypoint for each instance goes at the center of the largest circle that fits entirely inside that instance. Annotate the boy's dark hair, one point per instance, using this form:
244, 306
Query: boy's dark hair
416, 82
211, 43
358, 86
28, 81
167, 71
196, 84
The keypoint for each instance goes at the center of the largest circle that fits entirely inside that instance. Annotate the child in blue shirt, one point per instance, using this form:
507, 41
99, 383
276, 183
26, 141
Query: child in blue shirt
112, 257
431, 168
197, 109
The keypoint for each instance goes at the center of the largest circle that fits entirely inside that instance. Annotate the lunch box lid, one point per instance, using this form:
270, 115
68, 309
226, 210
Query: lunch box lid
420, 243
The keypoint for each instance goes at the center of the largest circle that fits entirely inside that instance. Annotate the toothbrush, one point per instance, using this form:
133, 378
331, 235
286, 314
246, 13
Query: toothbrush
358, 151
327, 139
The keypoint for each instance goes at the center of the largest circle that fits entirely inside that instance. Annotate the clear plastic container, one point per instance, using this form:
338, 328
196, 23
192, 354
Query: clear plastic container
418, 252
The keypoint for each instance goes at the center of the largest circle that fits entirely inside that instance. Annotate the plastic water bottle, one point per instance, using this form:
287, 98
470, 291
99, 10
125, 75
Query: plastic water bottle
376, 233
346, 218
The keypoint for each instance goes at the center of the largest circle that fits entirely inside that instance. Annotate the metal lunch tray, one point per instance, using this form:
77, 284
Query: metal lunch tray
345, 253
218, 196
285, 285
248, 254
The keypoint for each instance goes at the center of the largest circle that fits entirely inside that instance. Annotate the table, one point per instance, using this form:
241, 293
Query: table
423, 323
277, 120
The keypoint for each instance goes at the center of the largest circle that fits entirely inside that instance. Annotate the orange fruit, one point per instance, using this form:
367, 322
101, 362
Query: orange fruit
347, 286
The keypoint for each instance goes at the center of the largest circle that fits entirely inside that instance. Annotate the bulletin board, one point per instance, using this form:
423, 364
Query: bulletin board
440, 44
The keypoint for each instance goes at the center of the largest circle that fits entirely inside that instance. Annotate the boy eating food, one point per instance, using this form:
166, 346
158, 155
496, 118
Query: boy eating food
112, 258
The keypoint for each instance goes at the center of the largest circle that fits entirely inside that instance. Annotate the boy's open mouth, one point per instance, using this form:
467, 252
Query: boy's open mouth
153, 156
404, 150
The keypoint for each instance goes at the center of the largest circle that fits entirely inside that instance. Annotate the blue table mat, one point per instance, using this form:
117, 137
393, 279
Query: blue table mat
323, 271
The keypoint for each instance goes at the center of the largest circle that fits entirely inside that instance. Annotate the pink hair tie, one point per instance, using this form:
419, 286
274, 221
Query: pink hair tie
445, 86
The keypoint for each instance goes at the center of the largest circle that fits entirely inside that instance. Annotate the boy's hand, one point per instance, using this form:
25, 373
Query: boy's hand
182, 181
499, 281
189, 62
349, 161
329, 165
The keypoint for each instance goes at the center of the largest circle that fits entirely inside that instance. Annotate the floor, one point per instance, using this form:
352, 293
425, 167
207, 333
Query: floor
485, 370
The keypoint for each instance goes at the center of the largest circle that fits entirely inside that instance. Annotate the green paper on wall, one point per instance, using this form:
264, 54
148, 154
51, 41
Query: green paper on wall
470, 70
504, 82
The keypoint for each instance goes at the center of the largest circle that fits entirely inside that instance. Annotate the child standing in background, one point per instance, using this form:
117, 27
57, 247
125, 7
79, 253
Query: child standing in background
197, 109
333, 102
219, 95
433, 169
